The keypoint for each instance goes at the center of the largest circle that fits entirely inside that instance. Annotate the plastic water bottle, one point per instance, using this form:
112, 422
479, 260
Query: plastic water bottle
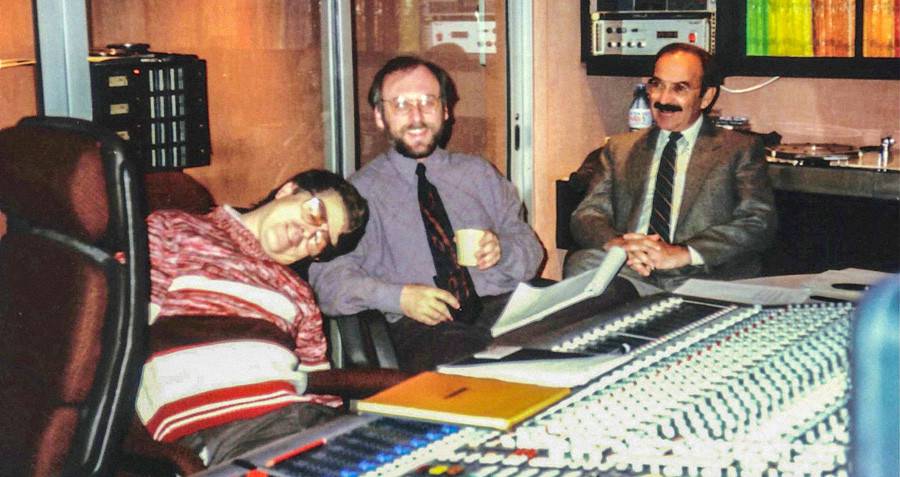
639, 116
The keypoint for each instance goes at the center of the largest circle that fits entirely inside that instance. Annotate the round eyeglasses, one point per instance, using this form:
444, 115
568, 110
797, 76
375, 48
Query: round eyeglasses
427, 103
314, 213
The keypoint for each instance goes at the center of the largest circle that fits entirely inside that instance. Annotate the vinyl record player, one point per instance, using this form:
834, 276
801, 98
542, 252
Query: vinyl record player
812, 154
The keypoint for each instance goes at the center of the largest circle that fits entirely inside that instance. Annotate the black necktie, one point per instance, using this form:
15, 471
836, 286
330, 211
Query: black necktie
451, 276
662, 195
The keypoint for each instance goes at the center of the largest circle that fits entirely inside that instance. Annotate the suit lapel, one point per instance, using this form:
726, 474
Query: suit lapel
639, 161
703, 158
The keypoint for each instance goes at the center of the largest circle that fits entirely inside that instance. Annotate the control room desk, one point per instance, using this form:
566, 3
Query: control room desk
842, 181
835, 217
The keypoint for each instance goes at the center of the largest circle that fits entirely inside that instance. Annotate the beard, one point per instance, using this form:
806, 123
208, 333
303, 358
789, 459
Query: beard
416, 151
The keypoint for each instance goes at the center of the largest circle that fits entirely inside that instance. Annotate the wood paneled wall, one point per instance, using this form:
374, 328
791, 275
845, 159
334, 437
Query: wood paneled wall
264, 86
569, 121
480, 116
17, 85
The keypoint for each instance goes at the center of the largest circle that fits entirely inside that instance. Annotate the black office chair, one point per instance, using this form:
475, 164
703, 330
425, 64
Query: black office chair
361, 341
569, 194
74, 284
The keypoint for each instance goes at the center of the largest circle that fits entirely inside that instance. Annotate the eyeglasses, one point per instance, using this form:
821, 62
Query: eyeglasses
656, 86
315, 214
427, 103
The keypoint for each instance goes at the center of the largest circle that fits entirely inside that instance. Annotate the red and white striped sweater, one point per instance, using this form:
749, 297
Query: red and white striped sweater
233, 332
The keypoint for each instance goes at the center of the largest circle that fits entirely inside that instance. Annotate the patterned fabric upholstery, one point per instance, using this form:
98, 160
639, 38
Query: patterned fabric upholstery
73, 297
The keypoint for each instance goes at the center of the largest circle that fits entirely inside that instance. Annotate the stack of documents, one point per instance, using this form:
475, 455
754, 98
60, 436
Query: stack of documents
848, 284
529, 304
534, 366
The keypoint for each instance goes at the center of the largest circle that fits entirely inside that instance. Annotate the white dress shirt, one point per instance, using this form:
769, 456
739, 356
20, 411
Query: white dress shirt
685, 146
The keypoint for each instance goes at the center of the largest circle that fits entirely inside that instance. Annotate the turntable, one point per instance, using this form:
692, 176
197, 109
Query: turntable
811, 154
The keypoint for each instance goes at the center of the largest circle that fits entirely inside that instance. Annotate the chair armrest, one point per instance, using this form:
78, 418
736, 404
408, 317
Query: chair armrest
568, 197
570, 193
353, 383
361, 341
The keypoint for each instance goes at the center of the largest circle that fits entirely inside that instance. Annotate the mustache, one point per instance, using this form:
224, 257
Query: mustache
418, 125
669, 108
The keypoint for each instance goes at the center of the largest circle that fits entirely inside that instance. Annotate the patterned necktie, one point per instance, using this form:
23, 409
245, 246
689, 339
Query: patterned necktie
450, 275
662, 195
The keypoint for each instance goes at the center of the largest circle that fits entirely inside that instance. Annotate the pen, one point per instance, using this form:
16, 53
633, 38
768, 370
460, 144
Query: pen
456, 392
254, 471
295, 452
244, 463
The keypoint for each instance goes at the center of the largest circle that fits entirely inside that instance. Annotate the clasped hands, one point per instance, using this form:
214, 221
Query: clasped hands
428, 304
650, 252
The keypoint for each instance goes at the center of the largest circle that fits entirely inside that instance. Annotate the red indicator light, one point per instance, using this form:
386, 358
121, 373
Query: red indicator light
136, 72
692, 37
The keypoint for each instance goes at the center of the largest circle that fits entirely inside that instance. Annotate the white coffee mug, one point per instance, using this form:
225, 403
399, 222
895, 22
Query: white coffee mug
466, 246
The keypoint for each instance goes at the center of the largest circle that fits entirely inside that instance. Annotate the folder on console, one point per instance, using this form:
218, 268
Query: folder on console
464, 400
529, 304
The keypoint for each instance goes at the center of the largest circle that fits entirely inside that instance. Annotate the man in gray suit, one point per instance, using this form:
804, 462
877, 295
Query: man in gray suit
683, 198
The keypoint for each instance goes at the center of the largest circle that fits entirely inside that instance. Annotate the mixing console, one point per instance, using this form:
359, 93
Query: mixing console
740, 391
753, 392
385, 446
623, 334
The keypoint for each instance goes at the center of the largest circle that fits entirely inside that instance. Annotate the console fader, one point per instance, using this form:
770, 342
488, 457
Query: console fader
741, 391
627, 330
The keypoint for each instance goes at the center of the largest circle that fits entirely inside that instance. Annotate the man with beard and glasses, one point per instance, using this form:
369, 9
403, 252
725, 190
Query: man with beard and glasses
683, 198
437, 310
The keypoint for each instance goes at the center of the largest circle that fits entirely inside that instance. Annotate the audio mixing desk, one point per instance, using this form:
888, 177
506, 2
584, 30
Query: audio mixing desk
703, 389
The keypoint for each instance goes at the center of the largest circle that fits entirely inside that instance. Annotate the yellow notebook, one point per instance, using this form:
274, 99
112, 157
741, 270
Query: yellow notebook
464, 400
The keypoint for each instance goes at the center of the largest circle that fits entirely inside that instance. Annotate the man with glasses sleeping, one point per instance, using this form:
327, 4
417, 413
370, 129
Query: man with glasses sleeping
235, 333
704, 208
405, 264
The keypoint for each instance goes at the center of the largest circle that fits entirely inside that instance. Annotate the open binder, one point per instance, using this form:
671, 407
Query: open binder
529, 304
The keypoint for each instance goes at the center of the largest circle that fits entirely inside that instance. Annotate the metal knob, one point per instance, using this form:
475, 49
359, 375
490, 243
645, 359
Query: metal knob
885, 156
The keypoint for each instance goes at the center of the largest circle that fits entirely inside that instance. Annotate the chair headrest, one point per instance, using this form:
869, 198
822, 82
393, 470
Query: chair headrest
54, 179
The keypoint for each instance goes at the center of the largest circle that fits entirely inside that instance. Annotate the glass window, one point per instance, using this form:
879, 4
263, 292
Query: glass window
17, 72
459, 37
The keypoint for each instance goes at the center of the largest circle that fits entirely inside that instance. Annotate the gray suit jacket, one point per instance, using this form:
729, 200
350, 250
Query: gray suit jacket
727, 211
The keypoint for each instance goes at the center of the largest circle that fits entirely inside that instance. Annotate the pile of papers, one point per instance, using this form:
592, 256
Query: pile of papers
848, 284
534, 366
528, 304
